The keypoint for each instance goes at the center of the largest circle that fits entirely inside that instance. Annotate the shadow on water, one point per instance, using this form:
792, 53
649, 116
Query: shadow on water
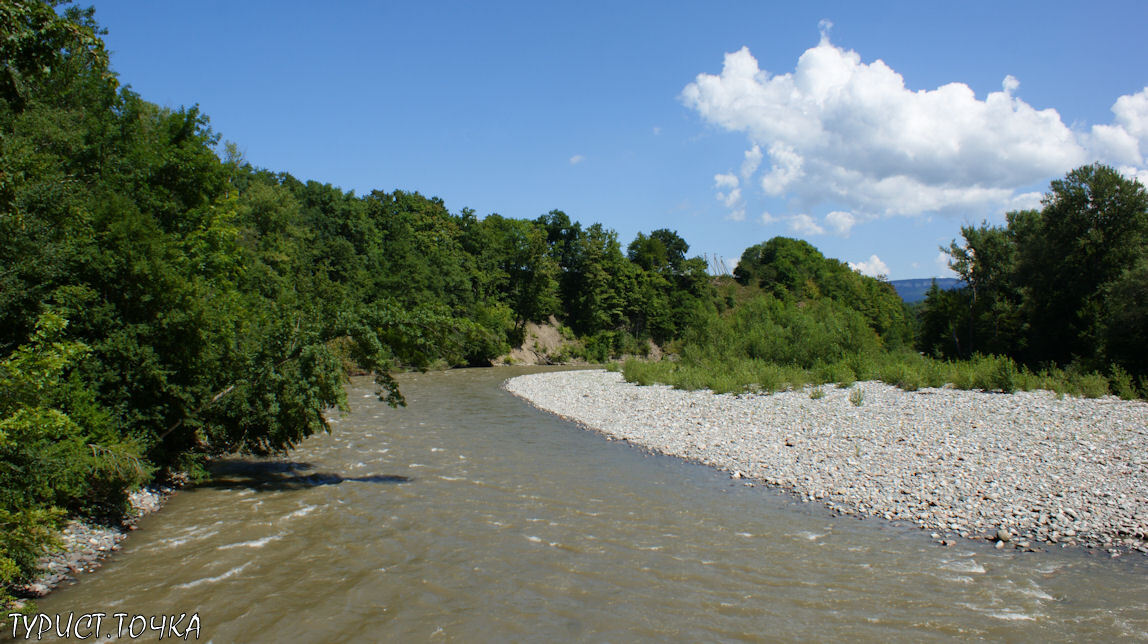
270, 476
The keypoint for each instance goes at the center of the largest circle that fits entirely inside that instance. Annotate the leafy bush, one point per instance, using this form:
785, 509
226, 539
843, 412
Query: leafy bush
689, 377
863, 366
604, 345
723, 382
995, 373
1092, 385
1121, 383
770, 377
963, 375
900, 374
935, 373
643, 372
48, 461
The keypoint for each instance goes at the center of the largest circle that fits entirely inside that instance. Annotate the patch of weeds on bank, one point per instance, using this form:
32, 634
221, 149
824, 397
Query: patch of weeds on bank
907, 370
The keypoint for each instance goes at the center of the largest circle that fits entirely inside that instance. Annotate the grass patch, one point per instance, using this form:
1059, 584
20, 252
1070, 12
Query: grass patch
1121, 383
906, 370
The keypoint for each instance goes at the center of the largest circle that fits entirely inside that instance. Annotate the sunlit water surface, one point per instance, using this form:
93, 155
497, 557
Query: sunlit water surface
471, 516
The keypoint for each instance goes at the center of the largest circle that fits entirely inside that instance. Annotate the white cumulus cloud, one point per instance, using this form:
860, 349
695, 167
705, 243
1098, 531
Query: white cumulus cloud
1126, 140
803, 224
871, 267
840, 131
1131, 113
841, 222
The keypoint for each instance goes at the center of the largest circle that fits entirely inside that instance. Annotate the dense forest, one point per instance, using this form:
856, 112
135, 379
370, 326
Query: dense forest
162, 301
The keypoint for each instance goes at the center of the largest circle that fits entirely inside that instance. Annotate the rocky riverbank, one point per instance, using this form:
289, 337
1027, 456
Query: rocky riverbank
85, 544
1020, 469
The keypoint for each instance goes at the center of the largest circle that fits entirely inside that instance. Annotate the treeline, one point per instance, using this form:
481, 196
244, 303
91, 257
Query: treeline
1064, 286
159, 303
789, 316
1057, 299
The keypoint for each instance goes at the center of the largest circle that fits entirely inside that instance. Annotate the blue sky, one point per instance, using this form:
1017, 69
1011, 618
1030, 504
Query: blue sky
872, 130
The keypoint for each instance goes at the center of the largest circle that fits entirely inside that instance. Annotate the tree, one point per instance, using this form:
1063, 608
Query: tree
649, 253
596, 296
37, 44
1125, 322
794, 269
1092, 228
1060, 285
515, 261
985, 315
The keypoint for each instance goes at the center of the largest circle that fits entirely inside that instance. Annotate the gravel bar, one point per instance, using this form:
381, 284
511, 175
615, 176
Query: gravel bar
84, 544
1018, 469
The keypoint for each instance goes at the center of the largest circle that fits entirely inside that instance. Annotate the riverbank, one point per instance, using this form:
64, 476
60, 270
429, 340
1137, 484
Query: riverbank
1021, 469
84, 544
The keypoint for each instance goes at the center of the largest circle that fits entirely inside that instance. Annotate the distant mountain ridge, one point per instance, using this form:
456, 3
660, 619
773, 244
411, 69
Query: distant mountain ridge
915, 290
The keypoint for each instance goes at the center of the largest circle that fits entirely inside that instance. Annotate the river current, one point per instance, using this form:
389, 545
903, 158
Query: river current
471, 516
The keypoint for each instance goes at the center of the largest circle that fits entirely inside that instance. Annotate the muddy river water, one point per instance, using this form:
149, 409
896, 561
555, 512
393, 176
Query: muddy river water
471, 516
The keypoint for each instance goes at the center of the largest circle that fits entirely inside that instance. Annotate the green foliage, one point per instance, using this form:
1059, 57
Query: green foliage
837, 372
514, 264
901, 374
794, 269
644, 372
1121, 383
1090, 385
1093, 227
857, 397
604, 345
1064, 285
993, 373
785, 332
25, 535
770, 377
1123, 322
48, 461
38, 45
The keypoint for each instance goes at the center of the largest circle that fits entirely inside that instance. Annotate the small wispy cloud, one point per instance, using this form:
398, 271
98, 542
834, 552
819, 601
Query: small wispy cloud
941, 261
729, 193
576, 159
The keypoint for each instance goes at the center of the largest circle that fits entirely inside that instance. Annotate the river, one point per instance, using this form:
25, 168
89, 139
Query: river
471, 516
